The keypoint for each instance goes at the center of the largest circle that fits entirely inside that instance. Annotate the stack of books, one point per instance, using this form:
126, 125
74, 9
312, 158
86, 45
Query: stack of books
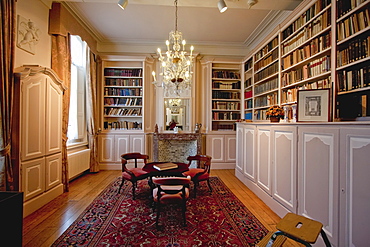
165, 166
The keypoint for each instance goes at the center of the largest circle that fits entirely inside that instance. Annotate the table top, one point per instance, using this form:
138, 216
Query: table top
181, 167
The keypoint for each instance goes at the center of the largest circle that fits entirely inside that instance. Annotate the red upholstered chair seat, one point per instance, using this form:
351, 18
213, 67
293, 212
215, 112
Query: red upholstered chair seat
138, 172
194, 171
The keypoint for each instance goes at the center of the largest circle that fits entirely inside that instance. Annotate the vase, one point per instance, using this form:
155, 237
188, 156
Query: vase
274, 119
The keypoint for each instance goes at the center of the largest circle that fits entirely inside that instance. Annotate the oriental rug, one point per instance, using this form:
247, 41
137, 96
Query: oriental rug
213, 219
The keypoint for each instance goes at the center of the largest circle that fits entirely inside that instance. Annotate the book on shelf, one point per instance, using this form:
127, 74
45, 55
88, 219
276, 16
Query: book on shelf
165, 166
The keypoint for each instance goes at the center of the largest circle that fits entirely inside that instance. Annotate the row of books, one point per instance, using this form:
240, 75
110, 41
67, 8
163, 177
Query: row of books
266, 49
272, 69
317, 45
266, 60
266, 100
351, 79
353, 24
314, 68
248, 104
248, 82
226, 115
356, 50
248, 65
123, 82
123, 101
305, 17
123, 72
111, 111
266, 86
223, 126
222, 105
260, 114
125, 125
345, 6
226, 85
123, 91
225, 95
225, 74
320, 23
248, 93
290, 95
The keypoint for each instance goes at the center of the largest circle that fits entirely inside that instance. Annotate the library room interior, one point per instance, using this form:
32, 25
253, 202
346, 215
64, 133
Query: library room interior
185, 123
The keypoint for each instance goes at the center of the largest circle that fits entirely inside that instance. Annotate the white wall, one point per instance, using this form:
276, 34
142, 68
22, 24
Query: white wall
38, 13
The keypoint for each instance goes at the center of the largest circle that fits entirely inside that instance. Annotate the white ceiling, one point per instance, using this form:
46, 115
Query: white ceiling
148, 22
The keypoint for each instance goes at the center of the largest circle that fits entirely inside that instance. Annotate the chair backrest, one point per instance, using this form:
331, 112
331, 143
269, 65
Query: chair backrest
172, 185
203, 161
135, 157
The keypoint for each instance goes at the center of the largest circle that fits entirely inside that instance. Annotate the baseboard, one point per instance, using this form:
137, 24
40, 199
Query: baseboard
35, 203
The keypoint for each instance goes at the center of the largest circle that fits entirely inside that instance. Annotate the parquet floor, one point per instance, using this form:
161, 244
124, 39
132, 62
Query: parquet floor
44, 226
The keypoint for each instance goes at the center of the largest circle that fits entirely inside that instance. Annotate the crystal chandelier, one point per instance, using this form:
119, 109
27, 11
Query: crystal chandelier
176, 66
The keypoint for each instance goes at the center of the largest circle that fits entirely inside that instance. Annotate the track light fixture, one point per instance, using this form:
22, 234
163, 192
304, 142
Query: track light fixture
122, 3
222, 6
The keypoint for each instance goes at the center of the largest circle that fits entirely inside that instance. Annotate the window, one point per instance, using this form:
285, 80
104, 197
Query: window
77, 109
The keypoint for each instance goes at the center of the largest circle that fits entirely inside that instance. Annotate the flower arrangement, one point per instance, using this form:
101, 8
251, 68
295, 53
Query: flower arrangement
275, 111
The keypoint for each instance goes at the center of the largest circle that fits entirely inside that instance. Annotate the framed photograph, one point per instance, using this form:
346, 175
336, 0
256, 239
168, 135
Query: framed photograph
313, 105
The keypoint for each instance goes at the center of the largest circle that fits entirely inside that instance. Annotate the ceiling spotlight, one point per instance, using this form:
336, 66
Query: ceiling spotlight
122, 3
222, 6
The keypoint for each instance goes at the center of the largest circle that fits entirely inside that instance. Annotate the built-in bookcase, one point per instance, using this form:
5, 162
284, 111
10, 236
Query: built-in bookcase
265, 79
248, 89
305, 52
353, 58
226, 95
311, 52
122, 95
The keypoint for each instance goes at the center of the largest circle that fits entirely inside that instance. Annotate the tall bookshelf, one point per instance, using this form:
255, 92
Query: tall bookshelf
122, 96
226, 95
265, 79
248, 89
353, 59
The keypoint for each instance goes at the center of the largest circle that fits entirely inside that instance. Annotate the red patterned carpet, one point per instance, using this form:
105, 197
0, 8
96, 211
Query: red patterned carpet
213, 219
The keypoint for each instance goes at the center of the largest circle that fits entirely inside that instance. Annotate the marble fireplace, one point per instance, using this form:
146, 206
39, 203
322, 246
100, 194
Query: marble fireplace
176, 147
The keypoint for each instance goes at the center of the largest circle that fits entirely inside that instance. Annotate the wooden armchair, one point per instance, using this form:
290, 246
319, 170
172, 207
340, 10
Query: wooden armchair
133, 174
201, 172
171, 190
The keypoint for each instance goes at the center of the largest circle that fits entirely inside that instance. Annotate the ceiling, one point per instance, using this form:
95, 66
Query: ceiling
148, 22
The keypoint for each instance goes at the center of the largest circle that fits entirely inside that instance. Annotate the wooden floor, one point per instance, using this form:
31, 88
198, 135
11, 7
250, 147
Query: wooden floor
44, 226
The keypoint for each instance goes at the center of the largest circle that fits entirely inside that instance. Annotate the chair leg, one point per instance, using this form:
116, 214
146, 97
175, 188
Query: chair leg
158, 212
209, 185
184, 213
119, 190
134, 184
195, 189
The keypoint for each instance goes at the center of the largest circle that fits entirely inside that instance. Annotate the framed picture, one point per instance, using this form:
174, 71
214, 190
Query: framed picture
313, 105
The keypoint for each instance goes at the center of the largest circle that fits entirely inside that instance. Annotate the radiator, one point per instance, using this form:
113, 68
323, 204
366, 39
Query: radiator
78, 162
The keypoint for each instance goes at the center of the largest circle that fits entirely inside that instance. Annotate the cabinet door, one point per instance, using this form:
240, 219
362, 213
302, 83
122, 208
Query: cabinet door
230, 148
318, 165
33, 118
215, 148
106, 148
33, 178
239, 148
284, 168
53, 170
249, 152
122, 146
355, 184
137, 144
53, 120
264, 159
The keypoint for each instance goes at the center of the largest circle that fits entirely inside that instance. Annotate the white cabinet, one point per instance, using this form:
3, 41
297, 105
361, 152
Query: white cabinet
222, 149
354, 185
284, 166
111, 147
264, 158
318, 168
41, 95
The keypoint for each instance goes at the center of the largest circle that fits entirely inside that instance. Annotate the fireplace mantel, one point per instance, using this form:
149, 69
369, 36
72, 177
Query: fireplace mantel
176, 147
